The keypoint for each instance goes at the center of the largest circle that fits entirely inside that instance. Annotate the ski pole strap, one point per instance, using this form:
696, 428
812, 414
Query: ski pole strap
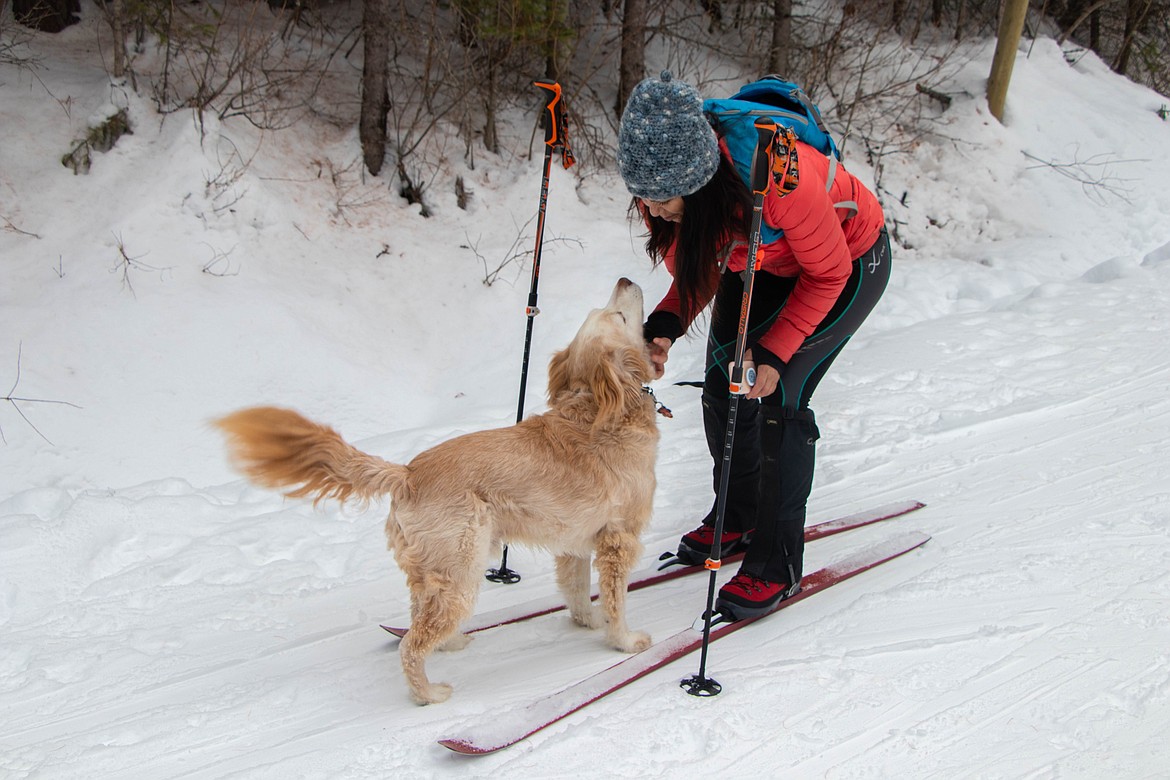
555, 130
742, 382
761, 179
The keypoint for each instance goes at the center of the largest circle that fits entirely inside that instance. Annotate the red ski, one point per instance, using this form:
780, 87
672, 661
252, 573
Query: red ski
503, 729
648, 577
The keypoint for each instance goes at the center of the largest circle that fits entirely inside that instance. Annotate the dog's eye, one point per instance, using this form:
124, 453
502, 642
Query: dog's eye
623, 316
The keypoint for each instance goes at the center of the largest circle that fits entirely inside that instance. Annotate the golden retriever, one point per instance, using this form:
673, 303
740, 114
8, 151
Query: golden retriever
577, 480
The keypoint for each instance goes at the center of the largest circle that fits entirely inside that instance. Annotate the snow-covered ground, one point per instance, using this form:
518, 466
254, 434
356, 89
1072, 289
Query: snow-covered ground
161, 618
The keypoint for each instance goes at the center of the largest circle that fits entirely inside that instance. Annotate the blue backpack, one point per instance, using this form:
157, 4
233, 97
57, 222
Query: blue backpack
787, 105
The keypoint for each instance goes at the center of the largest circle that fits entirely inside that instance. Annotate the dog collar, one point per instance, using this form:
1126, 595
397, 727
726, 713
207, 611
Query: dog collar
659, 407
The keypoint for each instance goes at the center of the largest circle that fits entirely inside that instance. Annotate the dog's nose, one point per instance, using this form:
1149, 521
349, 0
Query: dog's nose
623, 283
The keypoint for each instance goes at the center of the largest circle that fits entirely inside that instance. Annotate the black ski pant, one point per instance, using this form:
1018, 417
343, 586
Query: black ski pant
774, 448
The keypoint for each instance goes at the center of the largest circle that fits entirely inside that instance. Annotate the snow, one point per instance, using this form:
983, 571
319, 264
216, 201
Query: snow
161, 618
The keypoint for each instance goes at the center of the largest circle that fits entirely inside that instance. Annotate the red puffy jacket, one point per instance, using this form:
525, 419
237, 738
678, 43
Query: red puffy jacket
818, 247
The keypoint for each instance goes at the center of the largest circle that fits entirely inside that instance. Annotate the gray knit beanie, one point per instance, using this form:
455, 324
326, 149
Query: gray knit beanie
666, 147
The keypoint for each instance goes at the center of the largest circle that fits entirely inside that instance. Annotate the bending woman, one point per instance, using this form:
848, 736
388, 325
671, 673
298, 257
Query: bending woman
815, 286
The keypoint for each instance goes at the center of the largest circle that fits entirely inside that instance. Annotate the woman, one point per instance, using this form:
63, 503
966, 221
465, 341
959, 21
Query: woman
816, 284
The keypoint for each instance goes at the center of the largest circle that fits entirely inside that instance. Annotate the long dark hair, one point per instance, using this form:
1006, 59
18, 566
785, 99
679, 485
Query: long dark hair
712, 216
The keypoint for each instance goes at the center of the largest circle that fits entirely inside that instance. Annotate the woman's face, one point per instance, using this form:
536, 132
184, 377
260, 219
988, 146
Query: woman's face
669, 210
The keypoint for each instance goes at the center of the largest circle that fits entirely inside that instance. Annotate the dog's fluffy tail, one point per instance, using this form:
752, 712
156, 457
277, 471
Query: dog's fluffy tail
280, 449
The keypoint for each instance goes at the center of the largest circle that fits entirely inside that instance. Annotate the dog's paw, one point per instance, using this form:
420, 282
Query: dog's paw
632, 642
454, 642
591, 617
435, 693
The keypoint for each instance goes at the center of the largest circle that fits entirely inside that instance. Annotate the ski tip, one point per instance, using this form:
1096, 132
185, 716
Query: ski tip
916, 539
395, 630
903, 543
899, 508
466, 748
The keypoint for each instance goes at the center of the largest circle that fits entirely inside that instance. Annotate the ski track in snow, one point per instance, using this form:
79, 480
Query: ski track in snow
1021, 670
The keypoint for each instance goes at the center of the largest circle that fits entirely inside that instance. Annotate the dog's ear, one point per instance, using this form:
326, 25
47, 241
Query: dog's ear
558, 374
609, 389
617, 384
636, 364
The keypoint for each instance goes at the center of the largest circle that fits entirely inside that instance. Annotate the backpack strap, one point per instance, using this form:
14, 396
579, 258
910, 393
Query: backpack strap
849, 205
796, 94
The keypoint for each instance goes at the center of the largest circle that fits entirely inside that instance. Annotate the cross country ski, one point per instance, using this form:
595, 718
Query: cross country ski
647, 577
504, 729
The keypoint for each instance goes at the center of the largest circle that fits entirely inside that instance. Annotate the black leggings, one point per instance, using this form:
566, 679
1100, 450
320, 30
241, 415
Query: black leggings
808, 365
773, 454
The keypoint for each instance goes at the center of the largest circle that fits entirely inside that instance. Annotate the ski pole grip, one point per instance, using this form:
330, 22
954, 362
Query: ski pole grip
556, 134
742, 379
762, 159
554, 122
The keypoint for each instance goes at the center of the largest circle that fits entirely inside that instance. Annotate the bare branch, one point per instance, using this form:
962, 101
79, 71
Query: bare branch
1092, 174
14, 229
220, 263
13, 399
125, 264
514, 253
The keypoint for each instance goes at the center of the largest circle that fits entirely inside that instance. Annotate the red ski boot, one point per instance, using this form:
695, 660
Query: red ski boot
745, 596
695, 547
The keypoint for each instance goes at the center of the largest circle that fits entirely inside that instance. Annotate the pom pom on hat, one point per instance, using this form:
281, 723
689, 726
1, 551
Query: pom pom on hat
666, 146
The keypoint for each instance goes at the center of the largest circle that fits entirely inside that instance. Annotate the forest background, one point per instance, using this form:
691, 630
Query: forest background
428, 65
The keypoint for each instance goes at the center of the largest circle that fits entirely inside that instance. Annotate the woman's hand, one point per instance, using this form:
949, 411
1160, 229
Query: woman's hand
767, 378
659, 350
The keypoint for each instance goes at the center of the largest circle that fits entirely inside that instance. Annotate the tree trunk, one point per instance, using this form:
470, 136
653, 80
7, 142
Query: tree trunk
1070, 21
560, 41
466, 14
633, 59
491, 136
1135, 13
375, 93
1011, 27
1071, 15
897, 12
779, 60
118, 25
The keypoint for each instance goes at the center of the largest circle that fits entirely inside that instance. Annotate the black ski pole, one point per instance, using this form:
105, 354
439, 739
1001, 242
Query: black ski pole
700, 684
555, 139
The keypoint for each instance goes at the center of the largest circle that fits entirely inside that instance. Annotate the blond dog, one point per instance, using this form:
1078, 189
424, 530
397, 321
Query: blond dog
577, 480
